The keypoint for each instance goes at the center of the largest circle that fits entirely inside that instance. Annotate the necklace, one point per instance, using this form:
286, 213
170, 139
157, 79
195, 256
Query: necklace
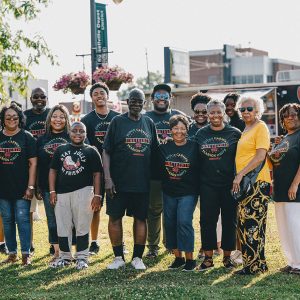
102, 119
11, 134
251, 126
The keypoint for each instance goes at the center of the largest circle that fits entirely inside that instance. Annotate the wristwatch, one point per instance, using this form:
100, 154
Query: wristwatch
31, 187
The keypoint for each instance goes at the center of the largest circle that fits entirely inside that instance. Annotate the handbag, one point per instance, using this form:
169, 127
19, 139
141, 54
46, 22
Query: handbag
247, 182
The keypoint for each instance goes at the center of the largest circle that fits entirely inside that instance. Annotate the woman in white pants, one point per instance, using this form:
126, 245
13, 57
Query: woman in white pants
285, 157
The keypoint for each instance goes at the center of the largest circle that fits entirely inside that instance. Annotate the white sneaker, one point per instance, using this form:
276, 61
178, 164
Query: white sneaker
237, 257
81, 264
138, 264
117, 263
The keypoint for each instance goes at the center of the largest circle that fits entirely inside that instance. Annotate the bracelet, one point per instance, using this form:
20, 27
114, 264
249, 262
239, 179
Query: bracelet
31, 187
98, 196
51, 192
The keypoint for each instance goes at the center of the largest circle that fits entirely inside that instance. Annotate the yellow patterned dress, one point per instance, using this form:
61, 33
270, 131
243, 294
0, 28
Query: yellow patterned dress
252, 211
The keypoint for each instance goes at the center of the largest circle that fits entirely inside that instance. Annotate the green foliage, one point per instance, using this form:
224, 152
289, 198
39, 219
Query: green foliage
19, 52
143, 83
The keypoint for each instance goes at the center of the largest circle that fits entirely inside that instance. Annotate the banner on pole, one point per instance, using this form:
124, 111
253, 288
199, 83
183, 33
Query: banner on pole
101, 35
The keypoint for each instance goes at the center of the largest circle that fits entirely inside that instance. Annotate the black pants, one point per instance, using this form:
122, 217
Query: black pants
213, 201
252, 227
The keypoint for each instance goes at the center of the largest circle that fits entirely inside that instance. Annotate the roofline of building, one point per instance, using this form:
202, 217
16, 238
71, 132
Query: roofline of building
206, 52
287, 62
229, 88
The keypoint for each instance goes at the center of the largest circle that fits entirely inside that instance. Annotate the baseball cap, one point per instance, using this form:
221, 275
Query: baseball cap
162, 86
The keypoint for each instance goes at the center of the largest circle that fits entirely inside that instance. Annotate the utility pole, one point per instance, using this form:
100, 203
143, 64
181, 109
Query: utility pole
148, 74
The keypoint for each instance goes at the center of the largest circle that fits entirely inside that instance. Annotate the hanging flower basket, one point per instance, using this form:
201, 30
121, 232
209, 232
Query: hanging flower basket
112, 76
114, 85
73, 82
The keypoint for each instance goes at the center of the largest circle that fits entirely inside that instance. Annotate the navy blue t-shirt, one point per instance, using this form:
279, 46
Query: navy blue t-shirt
96, 126
130, 145
285, 158
180, 168
14, 167
35, 123
75, 167
217, 155
46, 146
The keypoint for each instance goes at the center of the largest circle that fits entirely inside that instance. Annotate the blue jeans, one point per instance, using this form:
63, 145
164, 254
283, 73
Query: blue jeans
51, 221
178, 220
16, 212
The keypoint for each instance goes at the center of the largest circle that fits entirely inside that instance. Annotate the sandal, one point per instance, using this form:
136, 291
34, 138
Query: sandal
228, 263
207, 263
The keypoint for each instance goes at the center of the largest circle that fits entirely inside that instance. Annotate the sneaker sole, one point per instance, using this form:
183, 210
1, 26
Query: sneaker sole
203, 270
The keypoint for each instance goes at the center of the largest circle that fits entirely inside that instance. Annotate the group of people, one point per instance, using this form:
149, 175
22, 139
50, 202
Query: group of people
148, 166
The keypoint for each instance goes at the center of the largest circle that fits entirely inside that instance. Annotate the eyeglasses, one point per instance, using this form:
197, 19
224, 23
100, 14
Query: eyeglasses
13, 118
162, 96
292, 115
36, 97
248, 108
198, 112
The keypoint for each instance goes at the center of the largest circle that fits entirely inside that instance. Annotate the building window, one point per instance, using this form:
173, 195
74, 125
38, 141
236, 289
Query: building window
269, 78
258, 79
212, 79
250, 79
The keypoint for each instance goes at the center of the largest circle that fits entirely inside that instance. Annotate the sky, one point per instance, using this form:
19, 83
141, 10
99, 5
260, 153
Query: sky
136, 25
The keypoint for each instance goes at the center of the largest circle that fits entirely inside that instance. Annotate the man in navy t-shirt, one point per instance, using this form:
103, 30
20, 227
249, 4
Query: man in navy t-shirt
127, 150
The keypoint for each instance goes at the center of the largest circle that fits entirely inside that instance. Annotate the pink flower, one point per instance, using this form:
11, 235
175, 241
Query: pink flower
109, 74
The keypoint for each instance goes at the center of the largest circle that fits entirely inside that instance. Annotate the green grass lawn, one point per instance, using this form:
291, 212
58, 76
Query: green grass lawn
157, 282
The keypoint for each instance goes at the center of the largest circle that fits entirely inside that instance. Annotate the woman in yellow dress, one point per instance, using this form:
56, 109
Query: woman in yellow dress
252, 211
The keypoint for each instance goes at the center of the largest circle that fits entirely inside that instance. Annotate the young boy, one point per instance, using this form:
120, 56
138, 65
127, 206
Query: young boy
74, 183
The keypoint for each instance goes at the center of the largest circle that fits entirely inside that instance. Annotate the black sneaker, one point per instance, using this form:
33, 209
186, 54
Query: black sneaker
152, 253
94, 248
51, 250
3, 249
177, 263
32, 249
190, 265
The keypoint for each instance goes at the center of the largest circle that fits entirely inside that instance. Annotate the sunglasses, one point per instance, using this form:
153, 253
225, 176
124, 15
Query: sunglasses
198, 112
163, 96
248, 108
292, 115
36, 97
13, 118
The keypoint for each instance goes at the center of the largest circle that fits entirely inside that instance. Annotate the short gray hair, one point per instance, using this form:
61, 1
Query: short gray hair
258, 103
214, 102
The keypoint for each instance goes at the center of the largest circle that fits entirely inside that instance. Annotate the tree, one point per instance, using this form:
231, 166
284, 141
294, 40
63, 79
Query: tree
18, 51
143, 83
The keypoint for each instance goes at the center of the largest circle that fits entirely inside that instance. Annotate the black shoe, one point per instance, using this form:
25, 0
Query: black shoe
228, 263
94, 248
190, 265
177, 263
242, 272
152, 253
51, 250
3, 249
32, 249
